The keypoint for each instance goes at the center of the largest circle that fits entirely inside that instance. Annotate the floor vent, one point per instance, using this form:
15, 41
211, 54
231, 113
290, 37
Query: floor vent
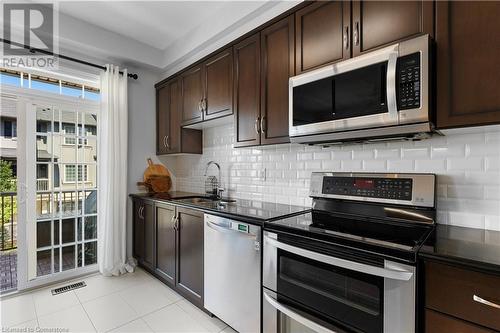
69, 287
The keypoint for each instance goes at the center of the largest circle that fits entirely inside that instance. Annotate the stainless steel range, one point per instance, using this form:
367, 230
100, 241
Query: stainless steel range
350, 264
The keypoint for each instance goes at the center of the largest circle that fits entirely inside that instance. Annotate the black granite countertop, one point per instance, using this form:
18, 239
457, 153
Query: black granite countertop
473, 248
251, 211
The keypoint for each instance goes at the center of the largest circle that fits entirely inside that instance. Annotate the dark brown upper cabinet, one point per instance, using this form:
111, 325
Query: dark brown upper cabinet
218, 81
468, 66
170, 137
322, 37
192, 95
277, 66
162, 119
378, 23
247, 91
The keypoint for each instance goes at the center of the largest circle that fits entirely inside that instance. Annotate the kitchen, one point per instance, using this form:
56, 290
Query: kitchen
334, 168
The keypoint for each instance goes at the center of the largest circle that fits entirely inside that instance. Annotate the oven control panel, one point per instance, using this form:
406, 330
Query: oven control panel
386, 188
404, 189
408, 82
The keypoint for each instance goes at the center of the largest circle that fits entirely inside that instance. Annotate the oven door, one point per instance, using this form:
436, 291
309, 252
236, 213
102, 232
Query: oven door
323, 292
353, 94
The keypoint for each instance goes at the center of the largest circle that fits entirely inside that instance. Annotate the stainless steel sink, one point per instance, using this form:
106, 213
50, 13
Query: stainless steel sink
203, 199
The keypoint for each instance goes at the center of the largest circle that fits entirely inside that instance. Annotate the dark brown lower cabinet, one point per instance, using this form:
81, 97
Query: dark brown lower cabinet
436, 322
458, 292
144, 232
166, 242
190, 253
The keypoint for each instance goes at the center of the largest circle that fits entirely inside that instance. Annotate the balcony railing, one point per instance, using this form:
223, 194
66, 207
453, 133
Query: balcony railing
8, 228
42, 184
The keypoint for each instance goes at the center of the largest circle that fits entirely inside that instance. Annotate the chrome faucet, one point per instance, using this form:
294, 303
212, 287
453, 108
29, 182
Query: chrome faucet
220, 189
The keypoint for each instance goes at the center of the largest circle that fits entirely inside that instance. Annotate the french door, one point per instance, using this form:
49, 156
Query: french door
58, 185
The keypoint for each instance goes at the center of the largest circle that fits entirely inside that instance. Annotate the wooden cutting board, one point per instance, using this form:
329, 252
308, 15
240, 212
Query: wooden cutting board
154, 170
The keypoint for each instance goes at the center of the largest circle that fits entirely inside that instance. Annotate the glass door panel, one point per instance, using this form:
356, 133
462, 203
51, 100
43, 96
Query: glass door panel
66, 190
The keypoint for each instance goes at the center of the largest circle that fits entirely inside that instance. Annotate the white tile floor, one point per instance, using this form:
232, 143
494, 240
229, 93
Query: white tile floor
134, 302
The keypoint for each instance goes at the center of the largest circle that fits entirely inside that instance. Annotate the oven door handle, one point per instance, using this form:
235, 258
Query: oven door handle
288, 311
392, 105
352, 265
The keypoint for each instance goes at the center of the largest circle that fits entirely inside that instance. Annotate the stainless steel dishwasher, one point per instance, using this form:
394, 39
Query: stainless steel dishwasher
232, 272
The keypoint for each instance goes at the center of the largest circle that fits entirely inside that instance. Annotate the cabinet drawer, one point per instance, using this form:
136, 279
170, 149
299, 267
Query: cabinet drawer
437, 323
460, 292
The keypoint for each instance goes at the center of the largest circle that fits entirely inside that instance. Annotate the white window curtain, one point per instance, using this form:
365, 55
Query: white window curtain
112, 174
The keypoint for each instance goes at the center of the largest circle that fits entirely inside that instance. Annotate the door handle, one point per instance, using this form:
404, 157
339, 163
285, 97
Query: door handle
391, 85
166, 141
347, 264
346, 38
141, 209
356, 33
263, 124
292, 313
481, 300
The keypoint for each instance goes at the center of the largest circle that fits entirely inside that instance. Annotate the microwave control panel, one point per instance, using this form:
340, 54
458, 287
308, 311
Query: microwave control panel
384, 188
408, 81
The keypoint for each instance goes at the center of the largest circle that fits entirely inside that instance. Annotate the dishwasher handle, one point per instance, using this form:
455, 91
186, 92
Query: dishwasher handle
218, 228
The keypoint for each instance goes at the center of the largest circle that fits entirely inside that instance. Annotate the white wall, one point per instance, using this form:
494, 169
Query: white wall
141, 133
467, 163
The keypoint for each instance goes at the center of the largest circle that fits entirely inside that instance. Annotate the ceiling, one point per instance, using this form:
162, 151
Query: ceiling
164, 35
155, 23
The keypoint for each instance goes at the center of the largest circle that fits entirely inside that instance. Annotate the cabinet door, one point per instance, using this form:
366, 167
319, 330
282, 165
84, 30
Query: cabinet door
218, 75
322, 34
378, 23
162, 119
173, 140
468, 53
138, 225
190, 254
278, 65
247, 91
165, 240
192, 95
149, 234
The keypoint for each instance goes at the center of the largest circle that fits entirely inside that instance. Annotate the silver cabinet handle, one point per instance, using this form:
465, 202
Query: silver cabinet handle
200, 108
352, 265
288, 311
346, 38
204, 104
478, 299
263, 124
141, 209
256, 125
356, 33
166, 142
391, 85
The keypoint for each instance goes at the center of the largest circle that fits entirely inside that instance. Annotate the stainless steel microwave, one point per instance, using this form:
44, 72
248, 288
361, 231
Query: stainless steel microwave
381, 94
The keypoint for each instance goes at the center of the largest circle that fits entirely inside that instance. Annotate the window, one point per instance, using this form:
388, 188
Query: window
69, 129
70, 173
9, 129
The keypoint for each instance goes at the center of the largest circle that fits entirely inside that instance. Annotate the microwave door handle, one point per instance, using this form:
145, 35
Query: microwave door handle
391, 86
288, 311
388, 273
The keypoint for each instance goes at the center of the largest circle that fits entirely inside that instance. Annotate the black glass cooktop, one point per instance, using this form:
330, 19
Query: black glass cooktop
393, 238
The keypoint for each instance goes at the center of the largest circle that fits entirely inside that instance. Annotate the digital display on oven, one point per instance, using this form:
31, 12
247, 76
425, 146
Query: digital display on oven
364, 183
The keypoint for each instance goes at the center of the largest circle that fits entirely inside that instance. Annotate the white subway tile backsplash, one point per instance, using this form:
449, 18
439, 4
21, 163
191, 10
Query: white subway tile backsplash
467, 164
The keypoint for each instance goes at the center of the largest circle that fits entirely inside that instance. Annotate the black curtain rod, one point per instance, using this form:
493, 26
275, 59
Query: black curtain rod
61, 56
